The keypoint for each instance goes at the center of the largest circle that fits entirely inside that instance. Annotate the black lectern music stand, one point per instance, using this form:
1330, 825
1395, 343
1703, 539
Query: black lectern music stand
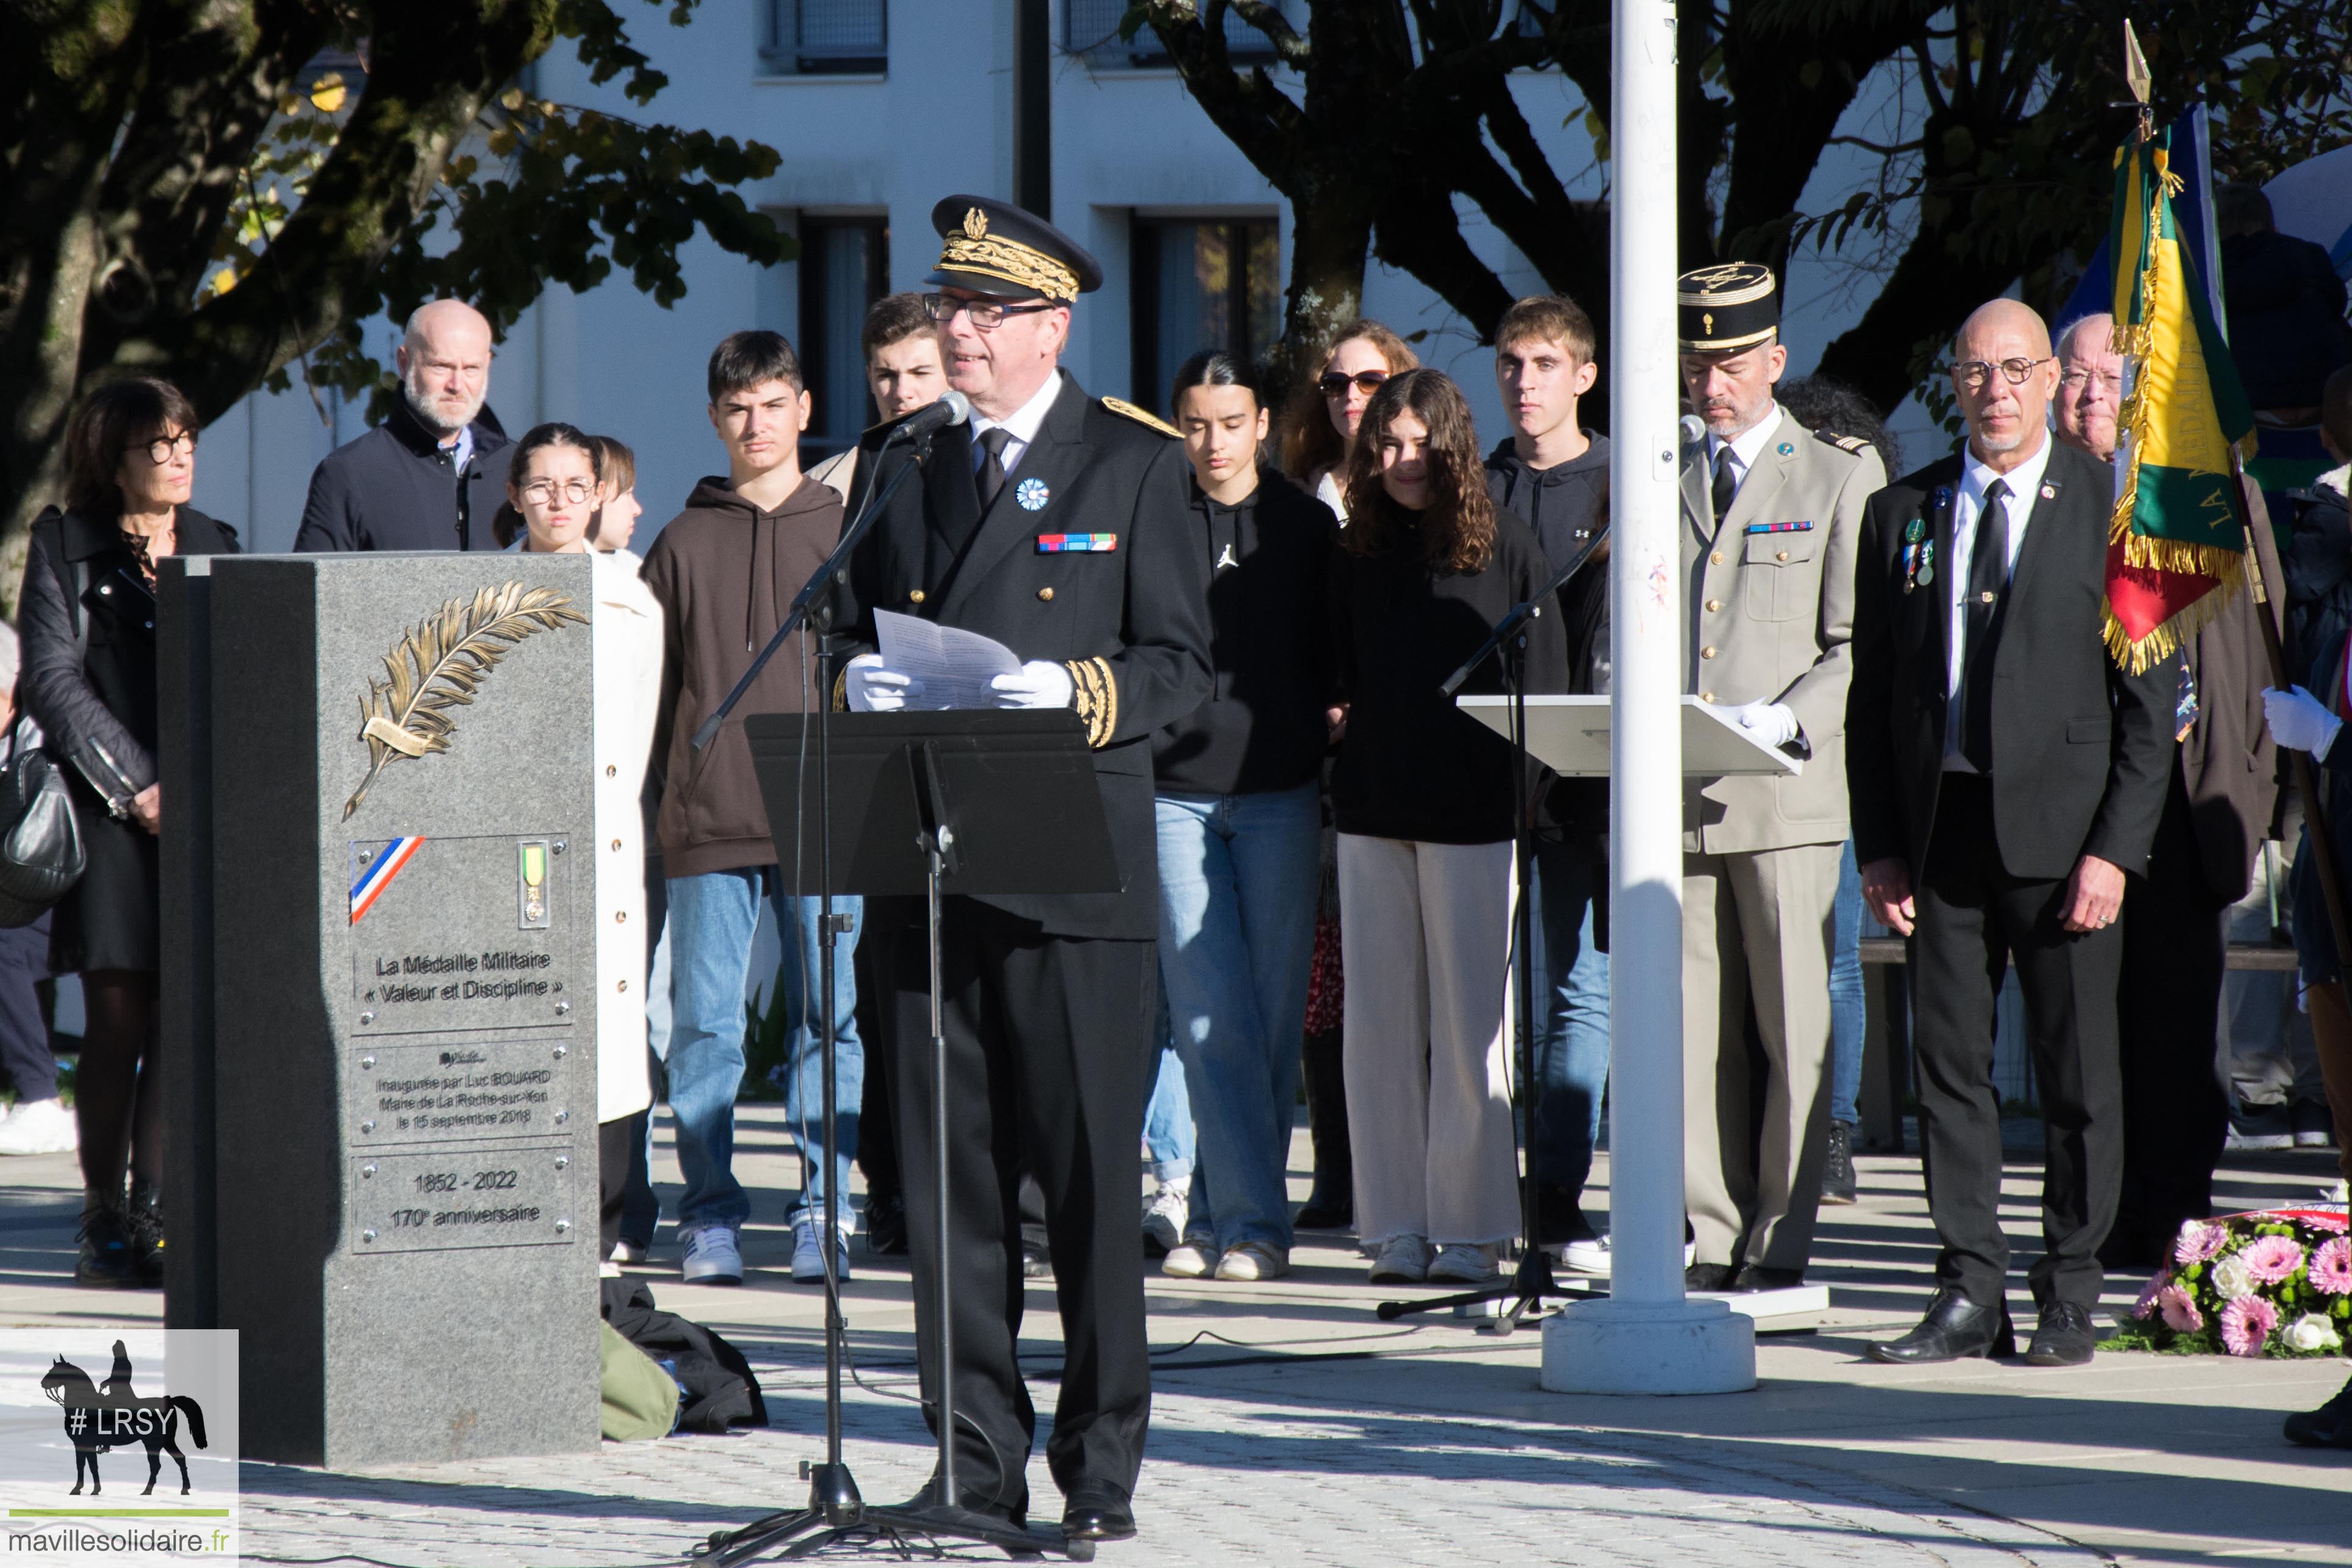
929, 804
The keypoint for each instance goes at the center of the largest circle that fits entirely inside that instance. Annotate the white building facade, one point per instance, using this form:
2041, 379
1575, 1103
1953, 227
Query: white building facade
880, 108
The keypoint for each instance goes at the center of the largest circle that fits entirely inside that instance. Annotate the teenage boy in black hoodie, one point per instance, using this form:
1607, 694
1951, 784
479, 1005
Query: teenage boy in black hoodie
1553, 474
725, 570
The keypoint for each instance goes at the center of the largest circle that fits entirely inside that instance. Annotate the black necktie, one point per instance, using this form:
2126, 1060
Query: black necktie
1988, 585
992, 465
1726, 485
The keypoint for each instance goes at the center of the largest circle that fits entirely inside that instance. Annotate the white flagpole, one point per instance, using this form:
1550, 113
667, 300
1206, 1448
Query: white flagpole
1646, 1338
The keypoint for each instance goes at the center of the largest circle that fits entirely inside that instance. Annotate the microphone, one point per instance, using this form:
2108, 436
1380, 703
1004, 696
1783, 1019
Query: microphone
1694, 429
952, 408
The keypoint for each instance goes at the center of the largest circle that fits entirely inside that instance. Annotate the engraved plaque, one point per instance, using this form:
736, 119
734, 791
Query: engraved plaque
476, 1196
500, 1086
460, 935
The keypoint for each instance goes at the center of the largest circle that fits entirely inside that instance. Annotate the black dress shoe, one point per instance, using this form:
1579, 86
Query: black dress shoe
2329, 1427
1098, 1511
1758, 1277
2063, 1337
1837, 1169
1707, 1276
886, 1226
1954, 1328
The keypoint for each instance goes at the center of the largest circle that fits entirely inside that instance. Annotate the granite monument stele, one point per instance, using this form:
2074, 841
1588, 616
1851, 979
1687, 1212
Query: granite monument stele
390, 1007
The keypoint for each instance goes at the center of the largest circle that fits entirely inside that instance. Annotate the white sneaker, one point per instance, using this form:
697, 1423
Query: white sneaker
1591, 1255
1401, 1260
1190, 1261
808, 1252
39, 1127
711, 1257
1464, 1263
1253, 1260
1164, 1215
626, 1251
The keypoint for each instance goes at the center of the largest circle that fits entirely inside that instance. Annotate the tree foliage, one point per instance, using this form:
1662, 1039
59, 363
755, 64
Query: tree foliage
1381, 120
186, 191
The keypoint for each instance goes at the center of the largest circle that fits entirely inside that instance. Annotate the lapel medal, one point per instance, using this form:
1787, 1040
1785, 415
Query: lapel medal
1032, 494
1927, 573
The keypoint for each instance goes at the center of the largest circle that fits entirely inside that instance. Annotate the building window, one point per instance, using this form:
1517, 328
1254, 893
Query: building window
1090, 31
1211, 284
844, 267
817, 37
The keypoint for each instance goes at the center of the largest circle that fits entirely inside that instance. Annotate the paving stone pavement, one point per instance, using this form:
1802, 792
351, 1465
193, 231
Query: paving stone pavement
1291, 1427
1287, 1482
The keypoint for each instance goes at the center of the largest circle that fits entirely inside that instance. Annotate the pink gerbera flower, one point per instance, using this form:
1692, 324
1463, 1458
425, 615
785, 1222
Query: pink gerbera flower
2146, 1306
2199, 1241
2331, 1267
2271, 1259
2179, 1309
2246, 1325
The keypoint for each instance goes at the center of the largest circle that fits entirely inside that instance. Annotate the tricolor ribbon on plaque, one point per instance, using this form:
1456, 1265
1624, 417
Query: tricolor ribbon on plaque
2176, 544
389, 862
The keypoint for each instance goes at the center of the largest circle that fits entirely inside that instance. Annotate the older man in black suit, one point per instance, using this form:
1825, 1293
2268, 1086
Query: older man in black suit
2005, 777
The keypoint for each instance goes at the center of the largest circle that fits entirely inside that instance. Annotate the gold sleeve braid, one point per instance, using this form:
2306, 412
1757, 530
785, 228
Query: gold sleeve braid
1094, 695
841, 692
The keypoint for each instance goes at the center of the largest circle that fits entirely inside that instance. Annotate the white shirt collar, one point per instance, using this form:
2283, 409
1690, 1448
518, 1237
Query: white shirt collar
2024, 480
1025, 422
1748, 445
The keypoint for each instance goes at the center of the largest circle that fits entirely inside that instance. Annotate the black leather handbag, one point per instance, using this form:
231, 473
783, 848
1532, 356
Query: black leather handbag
41, 854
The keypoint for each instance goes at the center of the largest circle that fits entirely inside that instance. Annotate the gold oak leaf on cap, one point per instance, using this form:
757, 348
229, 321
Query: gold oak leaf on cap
439, 665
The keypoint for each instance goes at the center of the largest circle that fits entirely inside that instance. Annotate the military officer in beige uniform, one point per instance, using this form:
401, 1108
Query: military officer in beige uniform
1771, 517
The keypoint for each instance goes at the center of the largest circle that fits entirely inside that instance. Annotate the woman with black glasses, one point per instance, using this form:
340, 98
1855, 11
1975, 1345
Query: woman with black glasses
88, 620
1321, 428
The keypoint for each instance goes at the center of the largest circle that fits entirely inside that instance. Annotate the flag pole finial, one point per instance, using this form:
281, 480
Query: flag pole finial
2136, 73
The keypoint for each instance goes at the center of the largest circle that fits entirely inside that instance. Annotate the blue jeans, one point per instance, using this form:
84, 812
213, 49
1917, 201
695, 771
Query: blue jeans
1571, 1043
712, 918
1168, 1115
1848, 1013
1238, 879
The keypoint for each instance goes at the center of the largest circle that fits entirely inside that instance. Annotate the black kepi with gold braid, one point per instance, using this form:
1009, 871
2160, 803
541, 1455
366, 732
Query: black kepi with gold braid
1730, 306
995, 248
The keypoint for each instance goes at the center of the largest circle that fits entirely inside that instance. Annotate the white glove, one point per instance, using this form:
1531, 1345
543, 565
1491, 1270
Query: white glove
1037, 684
873, 688
1771, 722
2300, 722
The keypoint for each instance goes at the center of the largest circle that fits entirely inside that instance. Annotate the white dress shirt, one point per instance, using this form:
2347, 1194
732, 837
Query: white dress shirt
2024, 485
1021, 426
1746, 448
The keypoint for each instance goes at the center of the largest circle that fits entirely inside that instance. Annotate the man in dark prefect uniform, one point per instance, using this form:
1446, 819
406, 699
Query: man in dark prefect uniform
1056, 524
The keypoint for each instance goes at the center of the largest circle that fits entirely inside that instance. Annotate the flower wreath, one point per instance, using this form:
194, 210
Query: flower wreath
2276, 1283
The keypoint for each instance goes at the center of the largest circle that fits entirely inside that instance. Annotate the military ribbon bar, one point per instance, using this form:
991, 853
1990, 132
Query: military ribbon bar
1083, 544
1780, 528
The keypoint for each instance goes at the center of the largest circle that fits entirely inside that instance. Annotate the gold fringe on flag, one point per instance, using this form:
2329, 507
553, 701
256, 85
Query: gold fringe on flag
2166, 640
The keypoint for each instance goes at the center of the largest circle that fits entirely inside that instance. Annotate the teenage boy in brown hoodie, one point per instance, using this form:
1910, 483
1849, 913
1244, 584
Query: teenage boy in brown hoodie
725, 570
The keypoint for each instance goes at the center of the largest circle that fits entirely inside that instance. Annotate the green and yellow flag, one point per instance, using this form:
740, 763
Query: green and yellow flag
2176, 548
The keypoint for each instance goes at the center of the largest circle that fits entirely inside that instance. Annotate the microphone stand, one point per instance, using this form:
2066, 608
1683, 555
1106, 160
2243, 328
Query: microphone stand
835, 1506
1532, 1280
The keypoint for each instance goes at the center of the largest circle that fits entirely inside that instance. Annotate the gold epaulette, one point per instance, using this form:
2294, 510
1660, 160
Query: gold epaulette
1095, 694
1142, 416
1852, 444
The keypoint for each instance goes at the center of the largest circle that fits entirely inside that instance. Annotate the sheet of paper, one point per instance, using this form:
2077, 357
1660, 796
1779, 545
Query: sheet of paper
954, 665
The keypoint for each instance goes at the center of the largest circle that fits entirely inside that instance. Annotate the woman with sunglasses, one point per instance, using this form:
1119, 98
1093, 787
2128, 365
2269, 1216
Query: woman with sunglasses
1321, 427
556, 489
88, 621
1423, 796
